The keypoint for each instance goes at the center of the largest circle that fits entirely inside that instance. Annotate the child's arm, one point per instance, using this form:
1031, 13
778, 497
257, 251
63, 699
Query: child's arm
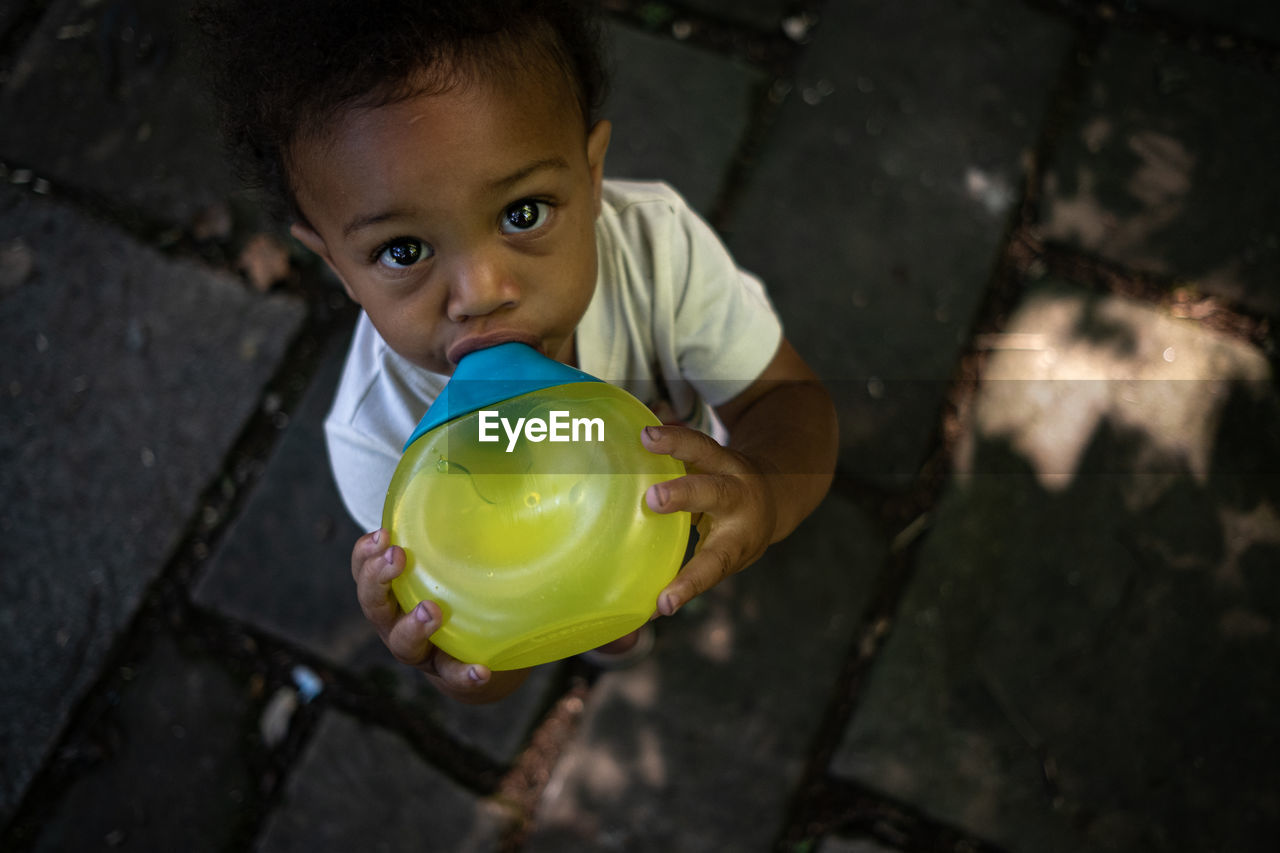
777, 468
374, 564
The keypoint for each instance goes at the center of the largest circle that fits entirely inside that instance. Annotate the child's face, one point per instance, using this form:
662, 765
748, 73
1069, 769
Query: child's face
459, 220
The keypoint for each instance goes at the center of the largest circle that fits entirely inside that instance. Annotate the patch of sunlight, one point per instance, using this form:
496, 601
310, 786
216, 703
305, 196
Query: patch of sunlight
1243, 623
640, 686
1071, 362
715, 634
650, 763
1158, 188
605, 774
992, 191
1242, 531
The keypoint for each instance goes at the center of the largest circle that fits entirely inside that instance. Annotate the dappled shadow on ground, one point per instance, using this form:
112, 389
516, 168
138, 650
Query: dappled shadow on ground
1156, 173
1084, 659
700, 746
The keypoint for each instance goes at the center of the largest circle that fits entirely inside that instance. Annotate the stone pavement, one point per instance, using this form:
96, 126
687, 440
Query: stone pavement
1033, 248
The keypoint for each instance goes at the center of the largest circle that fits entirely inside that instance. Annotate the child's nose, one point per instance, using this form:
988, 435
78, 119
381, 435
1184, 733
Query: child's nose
480, 286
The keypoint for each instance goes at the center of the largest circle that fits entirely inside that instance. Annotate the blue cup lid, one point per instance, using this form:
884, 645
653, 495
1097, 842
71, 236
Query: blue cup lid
490, 376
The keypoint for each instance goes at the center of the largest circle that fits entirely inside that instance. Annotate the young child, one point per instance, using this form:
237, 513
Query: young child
445, 160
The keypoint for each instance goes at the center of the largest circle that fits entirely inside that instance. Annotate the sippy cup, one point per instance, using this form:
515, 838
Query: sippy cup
519, 503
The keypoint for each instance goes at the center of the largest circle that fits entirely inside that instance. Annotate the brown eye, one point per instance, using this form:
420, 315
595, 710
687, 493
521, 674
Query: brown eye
402, 252
524, 215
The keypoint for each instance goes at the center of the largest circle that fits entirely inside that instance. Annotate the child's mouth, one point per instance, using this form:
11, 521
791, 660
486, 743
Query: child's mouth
471, 343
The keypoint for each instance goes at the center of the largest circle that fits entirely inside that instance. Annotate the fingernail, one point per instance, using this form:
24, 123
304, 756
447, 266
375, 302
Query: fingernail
390, 556
377, 537
669, 604
652, 433
476, 676
661, 494
421, 613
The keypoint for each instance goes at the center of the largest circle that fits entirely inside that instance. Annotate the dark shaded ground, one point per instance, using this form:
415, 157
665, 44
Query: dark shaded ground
1032, 247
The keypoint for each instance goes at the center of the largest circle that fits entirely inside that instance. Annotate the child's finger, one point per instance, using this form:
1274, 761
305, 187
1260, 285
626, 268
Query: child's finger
707, 568
368, 546
696, 493
410, 642
714, 561
694, 448
410, 637
724, 548
373, 585
461, 678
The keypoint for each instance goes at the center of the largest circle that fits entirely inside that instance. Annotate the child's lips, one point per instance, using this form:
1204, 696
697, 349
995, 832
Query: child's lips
471, 343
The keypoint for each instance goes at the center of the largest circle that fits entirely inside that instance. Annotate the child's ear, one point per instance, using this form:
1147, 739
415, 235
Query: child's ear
597, 147
309, 237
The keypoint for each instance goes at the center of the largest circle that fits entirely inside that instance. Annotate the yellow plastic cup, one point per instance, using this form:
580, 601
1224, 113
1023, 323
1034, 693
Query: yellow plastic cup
519, 503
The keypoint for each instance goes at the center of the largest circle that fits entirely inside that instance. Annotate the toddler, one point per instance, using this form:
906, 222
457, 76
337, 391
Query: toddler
446, 161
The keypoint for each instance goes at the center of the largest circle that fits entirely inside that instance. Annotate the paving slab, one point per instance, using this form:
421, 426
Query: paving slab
1085, 658
678, 113
134, 121
358, 787
765, 15
10, 13
1160, 170
878, 203
127, 376
174, 774
284, 567
105, 97
842, 845
1253, 18
700, 746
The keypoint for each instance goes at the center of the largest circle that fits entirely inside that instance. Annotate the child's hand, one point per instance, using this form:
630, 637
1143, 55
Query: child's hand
783, 441
374, 564
733, 508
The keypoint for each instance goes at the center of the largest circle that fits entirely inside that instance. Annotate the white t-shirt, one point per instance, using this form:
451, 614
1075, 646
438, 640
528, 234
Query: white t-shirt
672, 319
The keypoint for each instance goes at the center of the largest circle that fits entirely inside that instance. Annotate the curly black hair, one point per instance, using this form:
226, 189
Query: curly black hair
280, 70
